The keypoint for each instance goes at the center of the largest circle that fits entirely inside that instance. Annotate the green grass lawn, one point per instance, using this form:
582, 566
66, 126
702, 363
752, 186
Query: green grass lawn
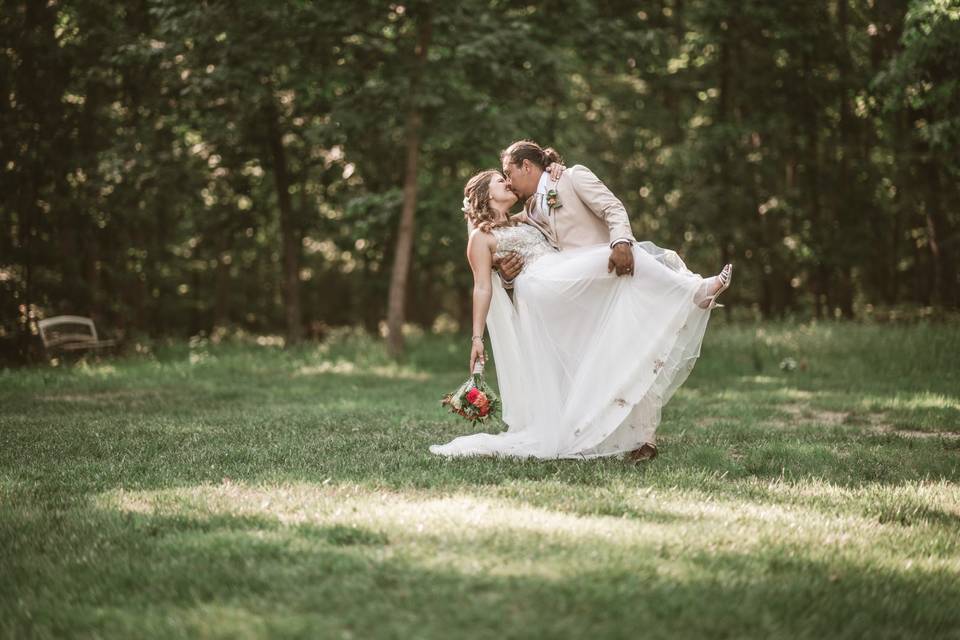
242, 491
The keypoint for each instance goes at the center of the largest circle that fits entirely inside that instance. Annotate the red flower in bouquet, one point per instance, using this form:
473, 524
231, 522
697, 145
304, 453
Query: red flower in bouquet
472, 395
481, 402
483, 407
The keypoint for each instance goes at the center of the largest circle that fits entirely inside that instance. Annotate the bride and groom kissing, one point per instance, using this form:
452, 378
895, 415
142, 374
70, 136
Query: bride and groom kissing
600, 330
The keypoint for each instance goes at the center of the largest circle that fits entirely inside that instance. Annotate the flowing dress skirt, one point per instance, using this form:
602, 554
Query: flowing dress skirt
585, 360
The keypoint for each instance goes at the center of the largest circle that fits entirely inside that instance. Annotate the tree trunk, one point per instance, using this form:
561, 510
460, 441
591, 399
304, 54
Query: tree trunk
289, 233
728, 45
942, 266
221, 310
811, 168
36, 100
847, 200
404, 246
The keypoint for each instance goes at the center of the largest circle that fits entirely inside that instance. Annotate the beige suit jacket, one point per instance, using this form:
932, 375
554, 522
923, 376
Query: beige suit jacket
588, 214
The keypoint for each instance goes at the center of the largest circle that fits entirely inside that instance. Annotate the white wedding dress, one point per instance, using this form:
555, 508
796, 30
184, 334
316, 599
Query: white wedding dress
585, 359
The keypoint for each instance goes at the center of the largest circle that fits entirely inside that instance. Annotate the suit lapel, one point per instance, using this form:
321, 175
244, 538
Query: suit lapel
568, 198
544, 226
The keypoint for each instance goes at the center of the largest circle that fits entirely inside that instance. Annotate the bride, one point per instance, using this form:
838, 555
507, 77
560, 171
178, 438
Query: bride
585, 360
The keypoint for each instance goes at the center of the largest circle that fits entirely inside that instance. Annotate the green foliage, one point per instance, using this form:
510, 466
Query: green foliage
811, 143
925, 77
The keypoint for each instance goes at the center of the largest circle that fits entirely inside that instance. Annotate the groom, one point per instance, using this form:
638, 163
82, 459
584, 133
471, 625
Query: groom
582, 212
575, 211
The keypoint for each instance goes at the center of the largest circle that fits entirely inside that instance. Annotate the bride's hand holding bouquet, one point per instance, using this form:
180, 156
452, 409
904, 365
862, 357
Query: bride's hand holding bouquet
474, 399
476, 354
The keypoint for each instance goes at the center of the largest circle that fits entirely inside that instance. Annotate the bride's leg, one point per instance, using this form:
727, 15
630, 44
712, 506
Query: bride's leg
707, 287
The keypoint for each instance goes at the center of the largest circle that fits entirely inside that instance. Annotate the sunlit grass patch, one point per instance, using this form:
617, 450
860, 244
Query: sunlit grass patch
923, 400
804, 515
345, 367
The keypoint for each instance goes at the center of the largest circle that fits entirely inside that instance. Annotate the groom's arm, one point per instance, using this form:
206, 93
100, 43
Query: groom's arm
601, 201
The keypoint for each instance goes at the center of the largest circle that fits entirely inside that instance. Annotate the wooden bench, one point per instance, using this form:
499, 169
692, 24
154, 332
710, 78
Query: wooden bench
71, 333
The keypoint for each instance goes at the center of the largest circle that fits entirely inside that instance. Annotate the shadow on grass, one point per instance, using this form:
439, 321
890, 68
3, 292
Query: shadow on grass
114, 573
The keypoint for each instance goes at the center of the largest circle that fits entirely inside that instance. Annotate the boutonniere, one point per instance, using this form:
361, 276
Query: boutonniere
553, 200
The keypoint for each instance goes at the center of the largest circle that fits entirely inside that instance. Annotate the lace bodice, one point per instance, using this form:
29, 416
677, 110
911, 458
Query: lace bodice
523, 239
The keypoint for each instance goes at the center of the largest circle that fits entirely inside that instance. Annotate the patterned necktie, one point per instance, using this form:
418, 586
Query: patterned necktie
537, 206
531, 207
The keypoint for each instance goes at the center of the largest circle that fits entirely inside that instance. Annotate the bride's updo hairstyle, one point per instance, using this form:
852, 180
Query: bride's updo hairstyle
476, 202
529, 150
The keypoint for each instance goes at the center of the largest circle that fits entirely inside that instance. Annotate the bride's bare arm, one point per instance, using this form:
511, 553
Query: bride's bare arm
480, 256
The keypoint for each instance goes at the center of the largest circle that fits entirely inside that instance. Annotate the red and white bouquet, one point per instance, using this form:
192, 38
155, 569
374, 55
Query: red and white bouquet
474, 399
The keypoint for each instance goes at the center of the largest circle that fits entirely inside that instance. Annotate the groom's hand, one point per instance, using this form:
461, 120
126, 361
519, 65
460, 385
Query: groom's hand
555, 169
621, 260
509, 266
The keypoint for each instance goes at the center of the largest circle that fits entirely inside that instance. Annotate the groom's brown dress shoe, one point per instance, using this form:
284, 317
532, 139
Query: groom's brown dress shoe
646, 452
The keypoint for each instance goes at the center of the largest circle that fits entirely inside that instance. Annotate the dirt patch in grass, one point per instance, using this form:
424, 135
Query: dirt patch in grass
804, 415
708, 421
871, 423
127, 396
886, 429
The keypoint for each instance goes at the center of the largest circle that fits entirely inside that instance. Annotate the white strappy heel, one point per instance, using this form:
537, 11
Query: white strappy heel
726, 277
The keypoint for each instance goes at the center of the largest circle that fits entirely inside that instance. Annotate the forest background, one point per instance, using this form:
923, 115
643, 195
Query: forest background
174, 167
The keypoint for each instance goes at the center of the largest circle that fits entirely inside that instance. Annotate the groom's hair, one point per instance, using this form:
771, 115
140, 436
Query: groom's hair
529, 150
